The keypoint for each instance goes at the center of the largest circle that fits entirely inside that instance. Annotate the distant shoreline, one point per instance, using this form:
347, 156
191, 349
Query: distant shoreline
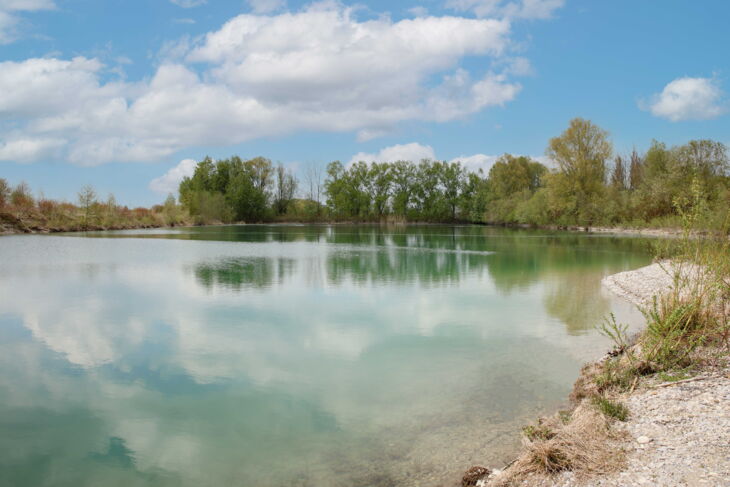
10, 225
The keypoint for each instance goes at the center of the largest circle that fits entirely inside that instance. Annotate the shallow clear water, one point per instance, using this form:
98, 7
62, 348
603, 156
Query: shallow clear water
290, 355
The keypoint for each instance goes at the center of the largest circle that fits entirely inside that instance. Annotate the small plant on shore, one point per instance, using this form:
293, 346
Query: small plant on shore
618, 333
610, 408
538, 432
675, 328
565, 416
615, 375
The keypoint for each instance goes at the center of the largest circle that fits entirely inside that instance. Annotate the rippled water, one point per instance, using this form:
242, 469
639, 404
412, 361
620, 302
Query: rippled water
290, 355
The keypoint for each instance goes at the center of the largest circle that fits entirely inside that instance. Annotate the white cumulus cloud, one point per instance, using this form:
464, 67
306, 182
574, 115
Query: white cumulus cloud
688, 99
413, 152
476, 162
317, 69
170, 181
29, 149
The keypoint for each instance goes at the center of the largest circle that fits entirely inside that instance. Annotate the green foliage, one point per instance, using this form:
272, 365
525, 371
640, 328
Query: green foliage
233, 190
429, 191
617, 333
513, 183
612, 409
581, 153
668, 377
614, 375
654, 189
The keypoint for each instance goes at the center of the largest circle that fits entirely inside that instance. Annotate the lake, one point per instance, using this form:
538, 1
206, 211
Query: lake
291, 355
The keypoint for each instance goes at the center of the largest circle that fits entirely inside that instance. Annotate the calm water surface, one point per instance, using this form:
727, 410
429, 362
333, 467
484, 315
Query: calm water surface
290, 355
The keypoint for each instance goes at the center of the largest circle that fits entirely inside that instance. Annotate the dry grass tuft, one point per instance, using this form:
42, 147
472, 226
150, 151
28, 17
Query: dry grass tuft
586, 445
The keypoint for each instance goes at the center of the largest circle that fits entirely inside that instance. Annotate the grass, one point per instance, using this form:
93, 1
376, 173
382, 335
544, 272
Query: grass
667, 377
538, 432
612, 409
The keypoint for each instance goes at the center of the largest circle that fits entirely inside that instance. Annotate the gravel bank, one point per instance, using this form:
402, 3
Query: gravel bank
677, 434
680, 433
641, 285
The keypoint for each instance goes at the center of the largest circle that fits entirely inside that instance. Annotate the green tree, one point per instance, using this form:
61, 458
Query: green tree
581, 153
403, 176
618, 175
380, 182
512, 181
636, 170
453, 180
429, 197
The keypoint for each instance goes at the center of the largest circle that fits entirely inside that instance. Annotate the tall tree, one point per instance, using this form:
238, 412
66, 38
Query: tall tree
618, 176
286, 186
380, 182
581, 153
453, 180
403, 175
636, 170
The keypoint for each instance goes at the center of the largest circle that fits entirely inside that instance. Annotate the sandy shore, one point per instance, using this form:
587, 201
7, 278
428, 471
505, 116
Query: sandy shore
678, 433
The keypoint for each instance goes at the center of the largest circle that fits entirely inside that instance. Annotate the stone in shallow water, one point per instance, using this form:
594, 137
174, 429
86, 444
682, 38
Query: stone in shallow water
474, 475
643, 440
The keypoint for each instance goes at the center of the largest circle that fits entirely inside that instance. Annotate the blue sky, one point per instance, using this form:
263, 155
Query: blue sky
116, 93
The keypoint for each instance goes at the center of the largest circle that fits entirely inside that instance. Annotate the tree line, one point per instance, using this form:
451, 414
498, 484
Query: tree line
20, 211
588, 184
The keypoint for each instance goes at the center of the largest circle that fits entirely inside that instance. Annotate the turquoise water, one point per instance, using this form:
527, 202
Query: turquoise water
290, 355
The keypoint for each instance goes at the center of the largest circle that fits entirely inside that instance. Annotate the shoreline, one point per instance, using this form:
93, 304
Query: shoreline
676, 429
17, 226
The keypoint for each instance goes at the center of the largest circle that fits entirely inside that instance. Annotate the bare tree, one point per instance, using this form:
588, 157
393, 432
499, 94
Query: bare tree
315, 184
4, 192
87, 200
286, 186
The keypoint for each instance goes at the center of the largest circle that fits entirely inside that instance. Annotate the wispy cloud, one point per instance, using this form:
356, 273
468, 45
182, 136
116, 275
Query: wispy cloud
189, 3
266, 6
525, 9
9, 18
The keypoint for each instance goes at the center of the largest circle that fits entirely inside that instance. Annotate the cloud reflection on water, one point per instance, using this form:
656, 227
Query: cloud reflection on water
212, 358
